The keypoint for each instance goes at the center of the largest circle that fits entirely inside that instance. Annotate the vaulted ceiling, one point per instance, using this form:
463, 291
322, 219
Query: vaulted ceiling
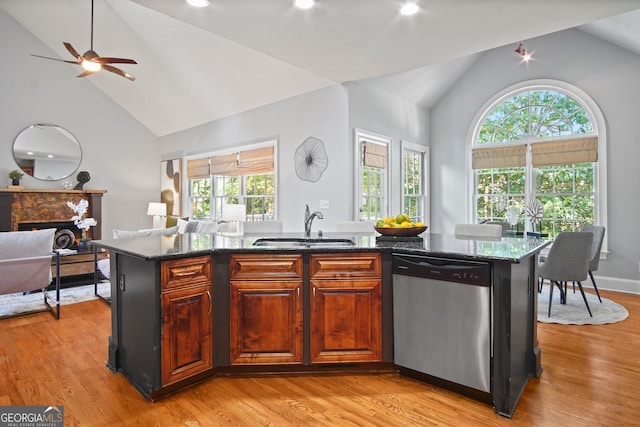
199, 65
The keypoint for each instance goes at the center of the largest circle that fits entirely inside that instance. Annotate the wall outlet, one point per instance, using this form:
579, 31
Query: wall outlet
324, 204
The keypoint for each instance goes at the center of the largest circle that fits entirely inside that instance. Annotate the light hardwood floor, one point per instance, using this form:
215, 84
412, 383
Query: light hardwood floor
591, 377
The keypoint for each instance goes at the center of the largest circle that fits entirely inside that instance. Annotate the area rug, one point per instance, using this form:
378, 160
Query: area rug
18, 303
574, 312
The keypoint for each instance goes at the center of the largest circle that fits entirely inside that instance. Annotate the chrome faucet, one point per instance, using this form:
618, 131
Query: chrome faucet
308, 220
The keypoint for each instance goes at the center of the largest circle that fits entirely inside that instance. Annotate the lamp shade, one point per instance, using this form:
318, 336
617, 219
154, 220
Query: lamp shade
159, 209
234, 212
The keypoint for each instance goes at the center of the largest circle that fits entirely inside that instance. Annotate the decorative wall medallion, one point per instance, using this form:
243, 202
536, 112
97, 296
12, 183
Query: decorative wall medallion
310, 159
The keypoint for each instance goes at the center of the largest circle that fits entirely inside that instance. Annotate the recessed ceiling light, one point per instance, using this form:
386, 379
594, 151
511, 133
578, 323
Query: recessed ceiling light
198, 3
304, 4
409, 8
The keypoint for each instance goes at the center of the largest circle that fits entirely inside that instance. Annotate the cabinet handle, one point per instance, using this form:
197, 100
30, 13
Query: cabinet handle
185, 273
314, 298
298, 301
210, 303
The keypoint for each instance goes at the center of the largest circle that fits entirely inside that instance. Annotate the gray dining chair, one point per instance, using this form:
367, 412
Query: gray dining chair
478, 230
596, 247
567, 261
505, 226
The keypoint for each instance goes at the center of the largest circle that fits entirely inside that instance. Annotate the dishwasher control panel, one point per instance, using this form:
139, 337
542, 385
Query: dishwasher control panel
444, 269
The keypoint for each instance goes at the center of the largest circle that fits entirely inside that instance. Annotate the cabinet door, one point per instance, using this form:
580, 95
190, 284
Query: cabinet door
186, 333
266, 322
346, 321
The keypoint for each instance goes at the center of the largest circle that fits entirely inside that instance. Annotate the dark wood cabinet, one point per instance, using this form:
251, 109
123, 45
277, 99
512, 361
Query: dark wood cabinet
186, 318
346, 308
266, 309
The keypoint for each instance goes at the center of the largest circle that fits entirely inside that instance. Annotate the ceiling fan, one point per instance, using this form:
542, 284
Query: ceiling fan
91, 62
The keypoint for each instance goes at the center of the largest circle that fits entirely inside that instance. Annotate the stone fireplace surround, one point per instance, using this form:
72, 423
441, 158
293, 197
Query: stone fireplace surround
26, 209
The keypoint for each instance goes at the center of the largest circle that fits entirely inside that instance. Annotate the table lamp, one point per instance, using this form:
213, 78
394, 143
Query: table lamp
159, 213
234, 215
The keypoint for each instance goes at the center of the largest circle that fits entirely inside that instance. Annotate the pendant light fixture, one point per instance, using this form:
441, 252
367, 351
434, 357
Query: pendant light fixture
522, 51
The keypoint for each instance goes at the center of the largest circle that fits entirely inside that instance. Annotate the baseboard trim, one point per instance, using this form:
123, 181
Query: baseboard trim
615, 284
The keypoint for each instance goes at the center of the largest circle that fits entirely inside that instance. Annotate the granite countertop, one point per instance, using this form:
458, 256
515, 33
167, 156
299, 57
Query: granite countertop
510, 249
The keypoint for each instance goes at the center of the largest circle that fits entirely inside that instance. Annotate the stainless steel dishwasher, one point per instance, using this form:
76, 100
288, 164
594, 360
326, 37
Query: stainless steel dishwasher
442, 318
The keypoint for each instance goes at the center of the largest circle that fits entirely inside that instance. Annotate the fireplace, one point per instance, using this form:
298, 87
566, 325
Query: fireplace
26, 209
67, 235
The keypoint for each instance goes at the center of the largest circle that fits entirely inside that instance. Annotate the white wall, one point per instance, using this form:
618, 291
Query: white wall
379, 112
330, 114
607, 74
321, 114
121, 155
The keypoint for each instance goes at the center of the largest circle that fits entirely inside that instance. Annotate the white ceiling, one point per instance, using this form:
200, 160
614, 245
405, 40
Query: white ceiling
199, 65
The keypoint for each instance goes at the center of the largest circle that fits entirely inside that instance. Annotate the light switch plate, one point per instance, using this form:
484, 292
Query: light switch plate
324, 204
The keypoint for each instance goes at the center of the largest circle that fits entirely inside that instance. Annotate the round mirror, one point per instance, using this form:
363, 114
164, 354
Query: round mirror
47, 152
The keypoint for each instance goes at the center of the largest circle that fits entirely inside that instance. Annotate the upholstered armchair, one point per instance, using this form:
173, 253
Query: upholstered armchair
25, 265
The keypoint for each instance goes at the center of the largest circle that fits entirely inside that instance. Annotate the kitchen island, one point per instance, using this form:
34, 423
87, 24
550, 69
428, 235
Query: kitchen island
186, 308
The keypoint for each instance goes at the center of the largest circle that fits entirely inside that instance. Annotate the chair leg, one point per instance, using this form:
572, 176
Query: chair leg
540, 283
584, 297
594, 286
552, 284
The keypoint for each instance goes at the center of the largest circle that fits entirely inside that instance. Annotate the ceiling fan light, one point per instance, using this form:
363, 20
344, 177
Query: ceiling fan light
90, 65
198, 3
304, 4
409, 8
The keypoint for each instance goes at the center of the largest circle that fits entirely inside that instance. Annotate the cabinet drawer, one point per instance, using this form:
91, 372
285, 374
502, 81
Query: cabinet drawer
266, 267
186, 271
345, 265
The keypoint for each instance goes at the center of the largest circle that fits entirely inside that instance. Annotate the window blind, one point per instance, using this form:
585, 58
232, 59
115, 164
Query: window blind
375, 155
198, 168
256, 162
224, 165
499, 157
580, 150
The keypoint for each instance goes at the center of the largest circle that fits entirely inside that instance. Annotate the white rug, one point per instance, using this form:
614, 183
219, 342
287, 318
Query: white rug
574, 312
18, 303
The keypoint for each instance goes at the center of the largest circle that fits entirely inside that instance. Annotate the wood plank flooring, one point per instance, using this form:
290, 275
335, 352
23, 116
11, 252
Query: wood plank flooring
591, 378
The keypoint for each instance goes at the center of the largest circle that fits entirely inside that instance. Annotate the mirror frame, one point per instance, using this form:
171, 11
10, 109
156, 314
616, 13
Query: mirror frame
31, 145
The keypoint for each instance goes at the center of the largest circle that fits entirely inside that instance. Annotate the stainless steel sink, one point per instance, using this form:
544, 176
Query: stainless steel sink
294, 242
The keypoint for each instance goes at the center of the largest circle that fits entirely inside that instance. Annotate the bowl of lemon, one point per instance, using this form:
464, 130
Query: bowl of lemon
400, 225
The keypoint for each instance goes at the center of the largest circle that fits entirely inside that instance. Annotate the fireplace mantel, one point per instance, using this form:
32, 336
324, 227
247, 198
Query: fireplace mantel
46, 205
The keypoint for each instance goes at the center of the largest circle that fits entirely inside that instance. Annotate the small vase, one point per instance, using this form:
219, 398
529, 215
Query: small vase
83, 244
15, 182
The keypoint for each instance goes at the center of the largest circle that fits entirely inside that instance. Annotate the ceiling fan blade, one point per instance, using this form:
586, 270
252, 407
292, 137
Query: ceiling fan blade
105, 60
72, 51
85, 73
118, 71
56, 59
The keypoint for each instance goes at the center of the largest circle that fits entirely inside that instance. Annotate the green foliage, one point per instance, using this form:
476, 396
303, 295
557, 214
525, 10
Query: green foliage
567, 192
16, 174
540, 114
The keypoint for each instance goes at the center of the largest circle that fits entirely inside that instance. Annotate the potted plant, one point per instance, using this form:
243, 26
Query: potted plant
15, 176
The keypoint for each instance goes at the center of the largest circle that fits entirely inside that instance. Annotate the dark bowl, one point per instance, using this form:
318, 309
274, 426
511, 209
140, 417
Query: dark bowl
404, 232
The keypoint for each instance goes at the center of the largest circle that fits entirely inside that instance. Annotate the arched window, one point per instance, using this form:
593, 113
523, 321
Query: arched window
540, 141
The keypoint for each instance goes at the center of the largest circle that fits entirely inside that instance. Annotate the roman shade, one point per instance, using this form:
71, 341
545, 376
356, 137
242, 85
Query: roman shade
499, 157
256, 162
224, 165
198, 168
374, 155
579, 150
